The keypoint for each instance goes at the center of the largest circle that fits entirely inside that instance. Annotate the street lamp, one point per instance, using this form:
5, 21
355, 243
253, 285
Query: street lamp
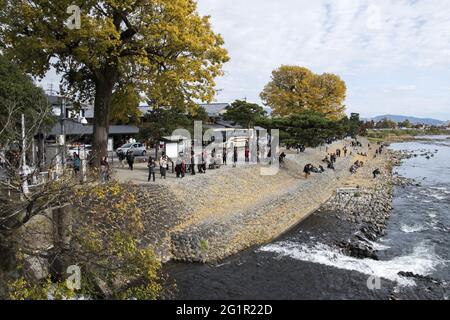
83, 121
62, 140
63, 117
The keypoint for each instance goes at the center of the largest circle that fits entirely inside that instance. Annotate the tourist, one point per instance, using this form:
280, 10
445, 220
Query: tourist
247, 155
345, 151
178, 163
200, 163
307, 170
376, 172
183, 168
104, 169
163, 163
282, 157
76, 163
151, 169
224, 156
338, 153
330, 165
130, 159
192, 165
333, 158
235, 156
204, 161
122, 157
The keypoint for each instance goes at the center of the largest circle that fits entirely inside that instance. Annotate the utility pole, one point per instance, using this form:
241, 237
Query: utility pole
25, 170
24, 143
63, 132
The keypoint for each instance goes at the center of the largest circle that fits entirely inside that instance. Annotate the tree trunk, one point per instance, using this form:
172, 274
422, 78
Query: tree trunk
103, 95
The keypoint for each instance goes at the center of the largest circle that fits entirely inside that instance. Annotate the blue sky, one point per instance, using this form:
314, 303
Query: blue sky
394, 55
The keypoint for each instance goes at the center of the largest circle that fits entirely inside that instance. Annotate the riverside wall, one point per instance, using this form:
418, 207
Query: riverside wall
241, 208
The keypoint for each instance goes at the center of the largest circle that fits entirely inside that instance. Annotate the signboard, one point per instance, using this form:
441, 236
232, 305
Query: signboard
110, 145
172, 149
60, 140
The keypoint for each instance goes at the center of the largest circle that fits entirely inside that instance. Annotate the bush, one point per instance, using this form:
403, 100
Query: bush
106, 243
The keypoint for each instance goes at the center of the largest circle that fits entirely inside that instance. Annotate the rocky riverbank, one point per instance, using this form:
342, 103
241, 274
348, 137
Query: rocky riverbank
230, 209
334, 252
368, 207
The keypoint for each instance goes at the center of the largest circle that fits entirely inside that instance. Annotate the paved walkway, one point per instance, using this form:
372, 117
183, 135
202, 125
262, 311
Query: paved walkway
312, 155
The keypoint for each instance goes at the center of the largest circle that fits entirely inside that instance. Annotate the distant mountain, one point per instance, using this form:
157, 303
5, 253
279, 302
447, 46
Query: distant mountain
413, 120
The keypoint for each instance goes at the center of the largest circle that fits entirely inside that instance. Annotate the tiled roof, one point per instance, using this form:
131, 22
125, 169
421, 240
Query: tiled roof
77, 129
215, 109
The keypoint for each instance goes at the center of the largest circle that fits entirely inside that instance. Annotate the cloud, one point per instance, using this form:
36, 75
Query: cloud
393, 54
369, 43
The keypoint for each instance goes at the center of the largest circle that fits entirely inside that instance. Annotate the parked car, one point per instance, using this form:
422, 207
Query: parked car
78, 149
138, 149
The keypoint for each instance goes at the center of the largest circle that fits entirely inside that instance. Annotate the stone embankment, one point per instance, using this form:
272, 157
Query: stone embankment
207, 217
231, 209
369, 205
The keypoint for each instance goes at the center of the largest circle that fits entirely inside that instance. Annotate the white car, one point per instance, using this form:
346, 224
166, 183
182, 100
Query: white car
138, 149
78, 149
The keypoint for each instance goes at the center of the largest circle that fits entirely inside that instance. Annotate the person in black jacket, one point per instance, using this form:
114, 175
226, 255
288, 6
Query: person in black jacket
130, 159
151, 169
235, 156
307, 170
376, 172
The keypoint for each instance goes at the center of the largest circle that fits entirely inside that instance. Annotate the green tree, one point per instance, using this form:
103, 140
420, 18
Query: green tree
355, 125
162, 48
386, 124
160, 122
405, 124
244, 113
19, 95
295, 89
309, 128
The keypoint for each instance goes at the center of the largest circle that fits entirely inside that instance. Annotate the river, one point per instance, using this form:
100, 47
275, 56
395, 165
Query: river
304, 263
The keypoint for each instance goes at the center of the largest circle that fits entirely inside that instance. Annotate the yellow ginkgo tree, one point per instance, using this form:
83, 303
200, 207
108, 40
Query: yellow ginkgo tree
295, 89
163, 49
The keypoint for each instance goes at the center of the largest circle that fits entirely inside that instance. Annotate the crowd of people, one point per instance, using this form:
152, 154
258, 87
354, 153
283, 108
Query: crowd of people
354, 168
184, 163
192, 163
331, 158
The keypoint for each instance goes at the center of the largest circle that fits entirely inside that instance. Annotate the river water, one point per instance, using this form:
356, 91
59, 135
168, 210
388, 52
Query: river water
305, 263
